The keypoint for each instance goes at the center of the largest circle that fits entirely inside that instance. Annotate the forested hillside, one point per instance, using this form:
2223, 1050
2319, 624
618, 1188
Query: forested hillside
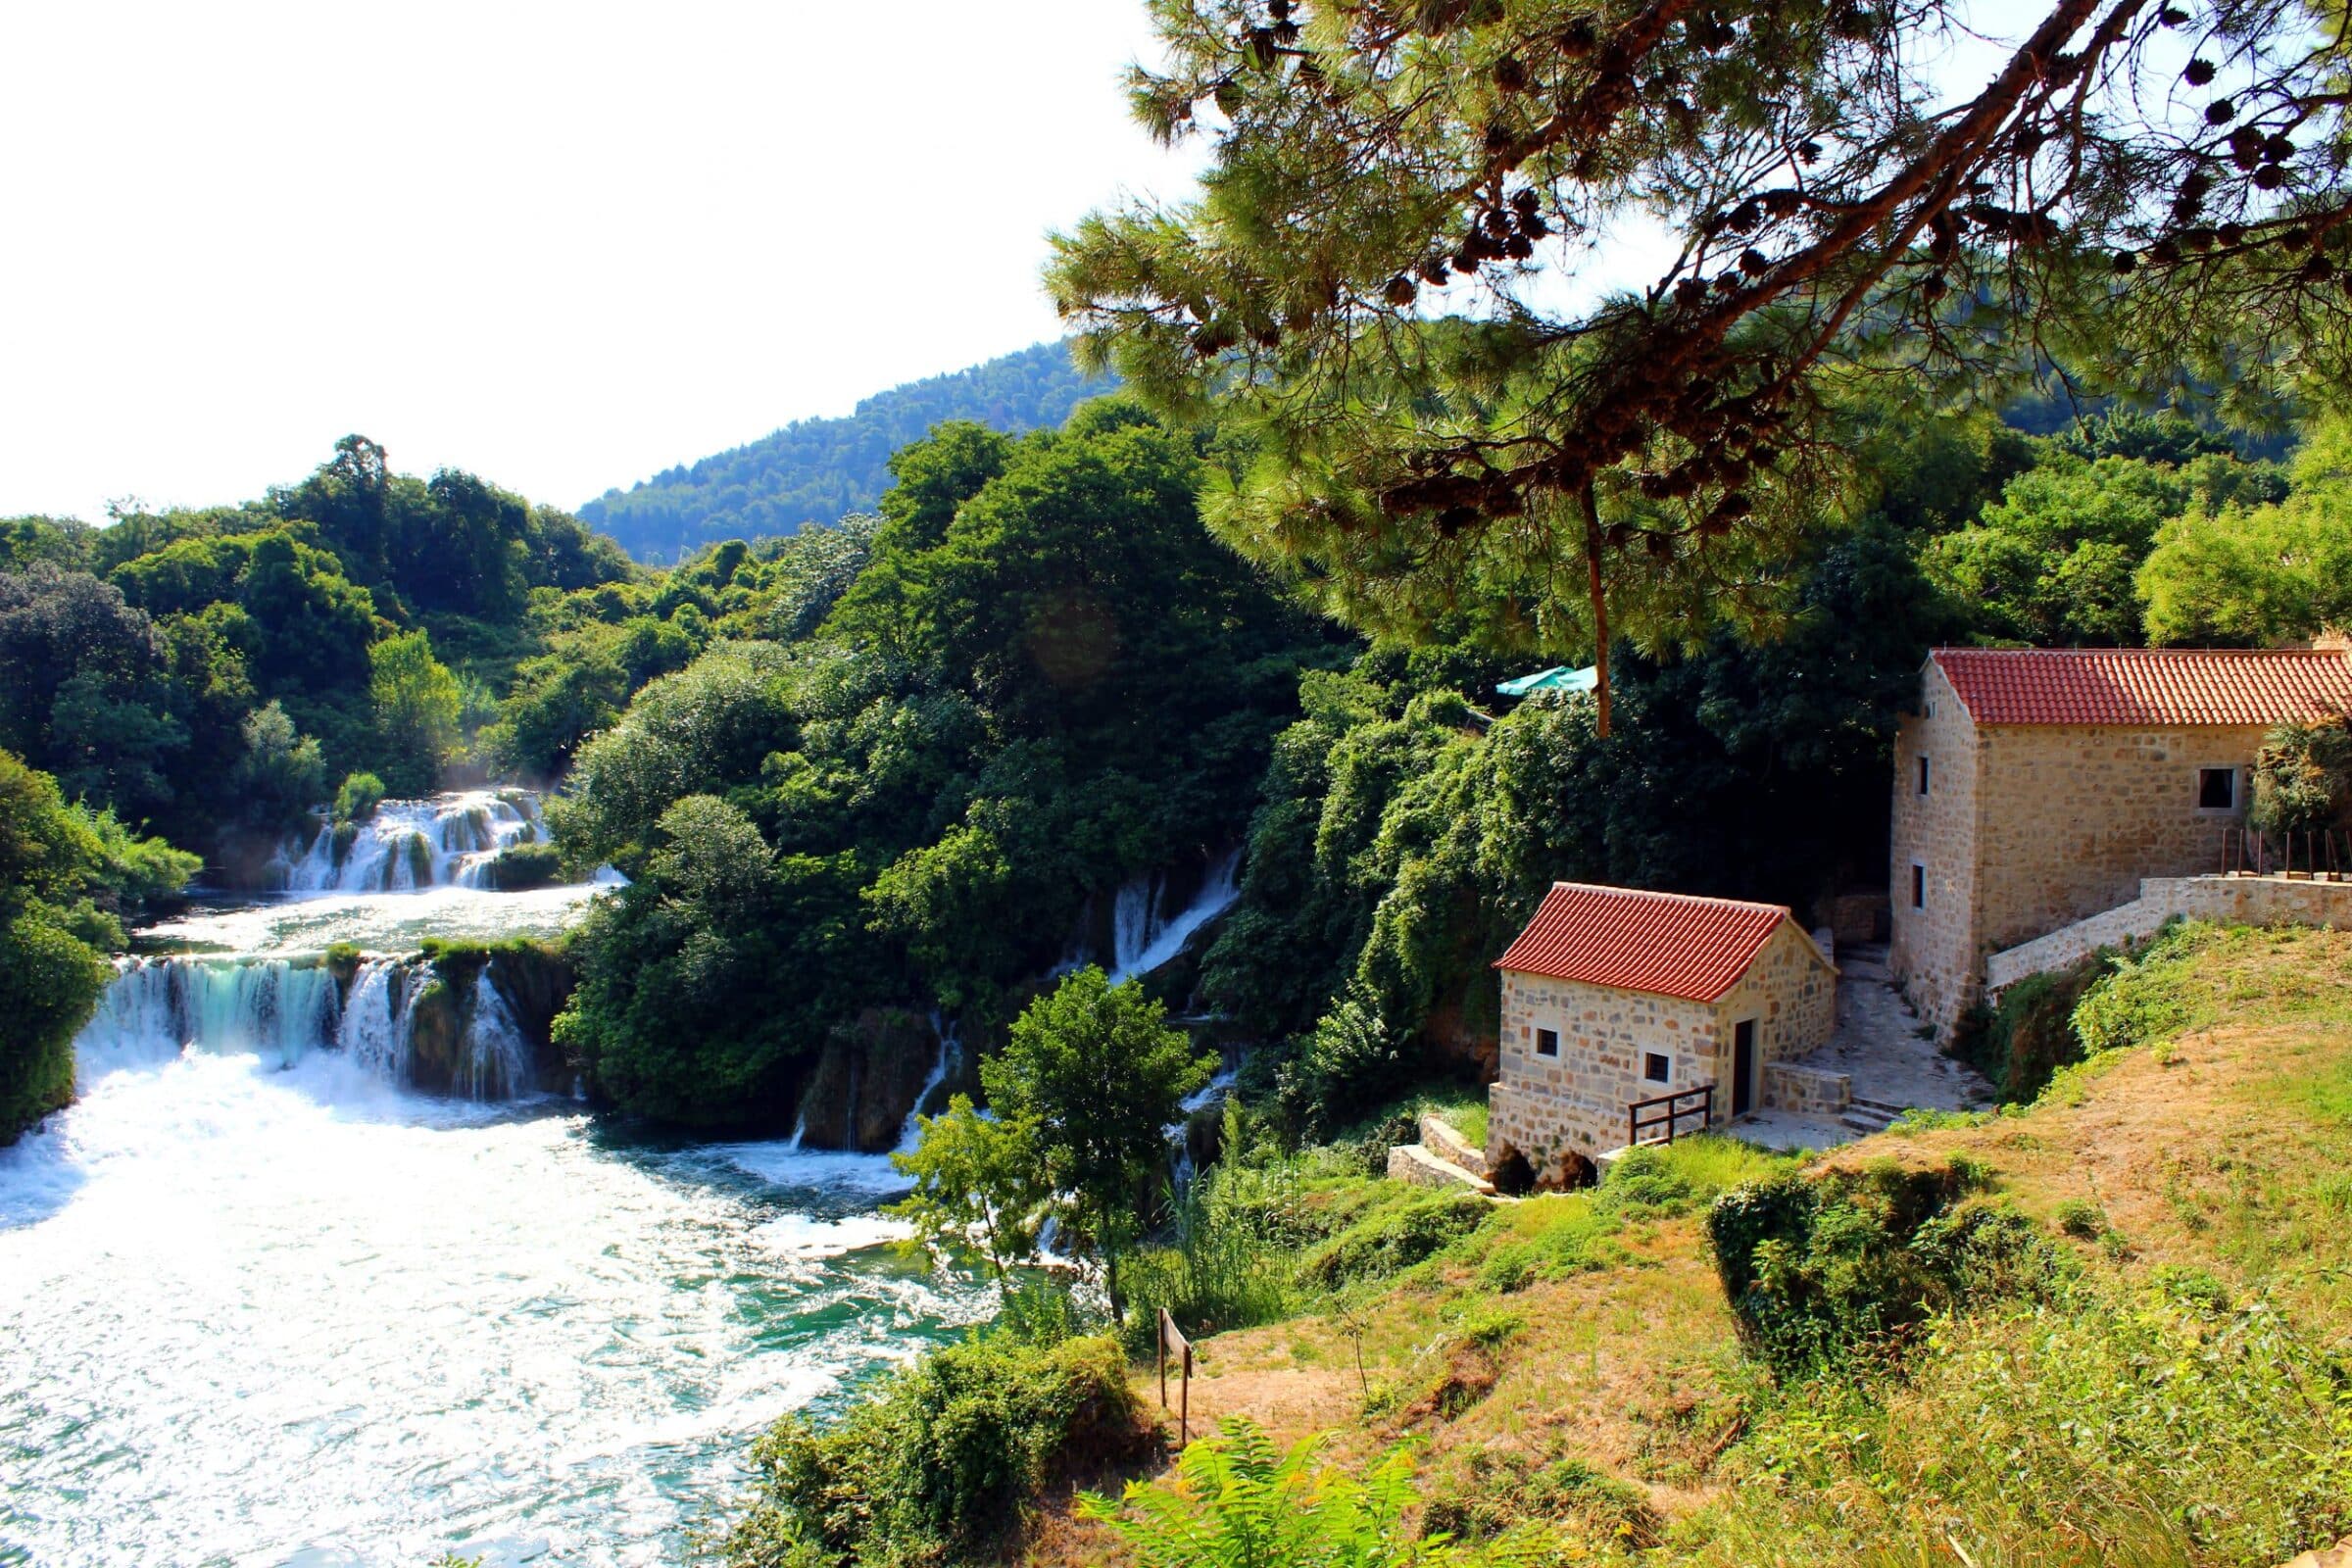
817, 470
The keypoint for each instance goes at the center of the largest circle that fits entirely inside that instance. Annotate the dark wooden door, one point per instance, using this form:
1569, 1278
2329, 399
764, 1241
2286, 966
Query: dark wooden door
1743, 1066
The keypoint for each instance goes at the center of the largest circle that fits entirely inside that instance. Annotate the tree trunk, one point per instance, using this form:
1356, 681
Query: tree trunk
1600, 603
1110, 1271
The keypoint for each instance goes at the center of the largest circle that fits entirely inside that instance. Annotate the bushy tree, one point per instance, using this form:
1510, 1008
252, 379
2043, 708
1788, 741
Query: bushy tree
417, 703
1090, 1077
2261, 574
282, 773
978, 1183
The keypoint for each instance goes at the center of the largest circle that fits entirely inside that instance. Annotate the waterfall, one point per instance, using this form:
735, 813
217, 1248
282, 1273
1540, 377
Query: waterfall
1144, 936
445, 840
282, 1010
948, 1049
156, 1008
377, 1019
498, 1060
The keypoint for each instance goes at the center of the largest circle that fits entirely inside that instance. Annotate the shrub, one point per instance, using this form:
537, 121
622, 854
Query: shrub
2081, 1219
1822, 1270
1500, 1488
1394, 1237
1227, 1269
944, 1462
1239, 1502
358, 796
523, 865
2021, 1042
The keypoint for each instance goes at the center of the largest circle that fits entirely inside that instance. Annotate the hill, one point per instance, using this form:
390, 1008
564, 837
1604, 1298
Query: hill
2155, 1264
817, 470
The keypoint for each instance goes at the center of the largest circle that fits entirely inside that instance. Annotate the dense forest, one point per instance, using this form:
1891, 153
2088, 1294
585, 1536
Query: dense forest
817, 470
896, 768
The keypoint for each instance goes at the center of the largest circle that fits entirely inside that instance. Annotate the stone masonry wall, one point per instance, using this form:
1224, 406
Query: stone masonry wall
2245, 901
1575, 1103
2073, 819
1544, 1106
1932, 953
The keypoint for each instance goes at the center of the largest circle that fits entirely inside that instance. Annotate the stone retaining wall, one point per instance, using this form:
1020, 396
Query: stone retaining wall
1804, 1090
2238, 900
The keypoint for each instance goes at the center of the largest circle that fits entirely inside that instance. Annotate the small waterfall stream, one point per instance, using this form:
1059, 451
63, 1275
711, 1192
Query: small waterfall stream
1146, 934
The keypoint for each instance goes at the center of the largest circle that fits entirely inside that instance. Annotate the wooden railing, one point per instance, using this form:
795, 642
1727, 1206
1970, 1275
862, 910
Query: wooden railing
2308, 854
1665, 1111
1173, 1345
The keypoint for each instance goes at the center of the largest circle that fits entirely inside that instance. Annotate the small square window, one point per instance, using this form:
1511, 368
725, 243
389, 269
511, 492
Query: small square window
2217, 789
1656, 1066
1923, 776
1919, 886
1547, 1041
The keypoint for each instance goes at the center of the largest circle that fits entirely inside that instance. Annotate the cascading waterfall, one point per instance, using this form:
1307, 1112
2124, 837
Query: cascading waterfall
951, 1048
498, 1060
282, 1010
444, 841
377, 1019
276, 1009
1145, 935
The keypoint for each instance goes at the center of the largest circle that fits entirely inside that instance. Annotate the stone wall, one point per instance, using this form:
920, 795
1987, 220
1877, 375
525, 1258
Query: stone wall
2027, 828
1544, 1107
1933, 949
2072, 819
2238, 900
1804, 1091
1575, 1103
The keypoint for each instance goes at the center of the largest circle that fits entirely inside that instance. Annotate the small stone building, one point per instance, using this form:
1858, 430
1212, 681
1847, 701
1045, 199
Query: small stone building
2037, 787
1615, 996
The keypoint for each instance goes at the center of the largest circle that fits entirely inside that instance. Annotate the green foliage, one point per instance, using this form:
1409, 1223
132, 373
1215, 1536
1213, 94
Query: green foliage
1399, 1235
524, 865
282, 773
63, 872
416, 703
2303, 778
358, 796
816, 470
2025, 1038
2268, 569
977, 1184
1229, 1261
1501, 1489
943, 1463
1825, 1270
1239, 1502
2108, 1424
1089, 1076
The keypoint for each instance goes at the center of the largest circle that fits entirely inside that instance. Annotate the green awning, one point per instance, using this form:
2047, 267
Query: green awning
1558, 678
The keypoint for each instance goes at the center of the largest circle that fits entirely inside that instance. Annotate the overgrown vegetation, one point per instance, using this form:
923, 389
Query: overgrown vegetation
945, 1460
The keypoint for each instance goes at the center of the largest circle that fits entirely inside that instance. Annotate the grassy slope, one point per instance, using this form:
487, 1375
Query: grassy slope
2226, 1146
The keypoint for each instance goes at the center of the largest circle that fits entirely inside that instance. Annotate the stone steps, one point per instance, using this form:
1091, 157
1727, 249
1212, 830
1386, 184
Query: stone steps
1410, 1162
1870, 1115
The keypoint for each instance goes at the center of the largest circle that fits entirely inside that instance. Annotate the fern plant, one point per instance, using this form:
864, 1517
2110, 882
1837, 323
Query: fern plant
1238, 1501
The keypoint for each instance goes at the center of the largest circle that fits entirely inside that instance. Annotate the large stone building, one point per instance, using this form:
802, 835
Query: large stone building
2037, 787
1613, 996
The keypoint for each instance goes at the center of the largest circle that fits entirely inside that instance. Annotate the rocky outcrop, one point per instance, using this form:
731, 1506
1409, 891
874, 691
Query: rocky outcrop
534, 982
866, 1081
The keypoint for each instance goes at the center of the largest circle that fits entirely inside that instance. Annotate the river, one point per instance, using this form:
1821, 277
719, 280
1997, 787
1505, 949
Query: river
261, 1304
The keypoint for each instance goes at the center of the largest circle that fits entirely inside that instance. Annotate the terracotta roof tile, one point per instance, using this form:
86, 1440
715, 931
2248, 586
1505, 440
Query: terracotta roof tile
1668, 944
2147, 685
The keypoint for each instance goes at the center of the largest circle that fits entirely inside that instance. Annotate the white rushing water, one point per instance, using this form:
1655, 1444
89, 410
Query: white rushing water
263, 1304
1146, 933
259, 1315
444, 841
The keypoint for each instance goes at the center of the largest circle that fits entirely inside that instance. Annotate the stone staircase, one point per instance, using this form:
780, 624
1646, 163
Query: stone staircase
1867, 1116
1442, 1157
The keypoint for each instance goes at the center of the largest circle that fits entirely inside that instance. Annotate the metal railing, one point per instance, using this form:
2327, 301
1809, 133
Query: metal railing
1665, 1111
2312, 853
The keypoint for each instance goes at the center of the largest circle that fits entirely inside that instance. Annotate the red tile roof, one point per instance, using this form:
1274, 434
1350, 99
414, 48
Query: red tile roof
2147, 685
1668, 944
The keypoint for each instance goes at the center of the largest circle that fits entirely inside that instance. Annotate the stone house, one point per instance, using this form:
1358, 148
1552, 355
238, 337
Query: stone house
2037, 787
1613, 996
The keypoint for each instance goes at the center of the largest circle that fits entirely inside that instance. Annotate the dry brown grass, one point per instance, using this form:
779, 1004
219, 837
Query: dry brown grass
2228, 1149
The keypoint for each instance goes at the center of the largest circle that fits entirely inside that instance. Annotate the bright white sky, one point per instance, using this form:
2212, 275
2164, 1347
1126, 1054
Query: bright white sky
562, 246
